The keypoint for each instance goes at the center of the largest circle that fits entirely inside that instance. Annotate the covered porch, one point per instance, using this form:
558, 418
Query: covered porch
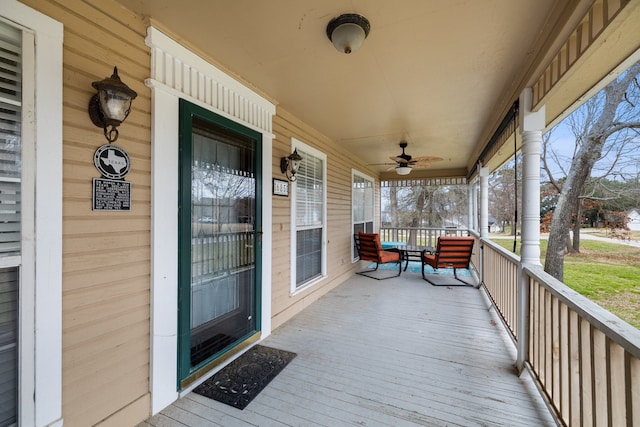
397, 352
460, 82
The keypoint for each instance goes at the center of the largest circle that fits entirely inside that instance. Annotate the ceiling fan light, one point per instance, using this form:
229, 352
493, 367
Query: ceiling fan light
403, 170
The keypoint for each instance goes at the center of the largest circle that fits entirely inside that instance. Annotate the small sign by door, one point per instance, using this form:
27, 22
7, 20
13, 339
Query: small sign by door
111, 192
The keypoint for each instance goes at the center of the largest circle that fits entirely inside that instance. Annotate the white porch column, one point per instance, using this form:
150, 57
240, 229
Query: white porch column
475, 206
484, 202
470, 210
531, 126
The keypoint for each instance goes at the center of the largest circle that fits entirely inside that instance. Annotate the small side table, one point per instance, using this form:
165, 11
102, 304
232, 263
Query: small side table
391, 245
412, 253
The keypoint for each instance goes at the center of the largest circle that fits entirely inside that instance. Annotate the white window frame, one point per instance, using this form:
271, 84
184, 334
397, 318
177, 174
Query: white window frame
40, 288
301, 146
354, 173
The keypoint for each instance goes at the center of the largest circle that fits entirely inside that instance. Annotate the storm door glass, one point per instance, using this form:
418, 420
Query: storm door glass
218, 248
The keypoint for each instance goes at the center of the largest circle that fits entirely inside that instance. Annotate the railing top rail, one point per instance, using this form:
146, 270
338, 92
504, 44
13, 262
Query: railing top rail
510, 256
611, 325
462, 229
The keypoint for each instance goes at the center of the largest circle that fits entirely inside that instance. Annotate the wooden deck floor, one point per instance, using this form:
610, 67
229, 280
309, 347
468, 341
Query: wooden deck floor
398, 352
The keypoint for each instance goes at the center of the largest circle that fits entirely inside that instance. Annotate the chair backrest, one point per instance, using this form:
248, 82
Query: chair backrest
368, 246
454, 251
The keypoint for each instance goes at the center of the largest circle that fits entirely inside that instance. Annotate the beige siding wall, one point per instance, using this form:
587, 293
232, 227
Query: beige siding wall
339, 234
105, 255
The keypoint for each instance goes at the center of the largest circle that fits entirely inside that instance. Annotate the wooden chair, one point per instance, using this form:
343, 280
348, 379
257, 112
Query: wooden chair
451, 252
370, 249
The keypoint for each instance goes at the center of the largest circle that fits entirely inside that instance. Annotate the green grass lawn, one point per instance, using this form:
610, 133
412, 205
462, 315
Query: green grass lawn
607, 273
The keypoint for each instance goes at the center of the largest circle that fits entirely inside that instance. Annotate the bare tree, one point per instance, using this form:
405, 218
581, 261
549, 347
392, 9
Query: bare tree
504, 186
614, 110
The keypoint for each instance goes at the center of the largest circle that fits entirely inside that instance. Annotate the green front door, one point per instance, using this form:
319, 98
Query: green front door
219, 238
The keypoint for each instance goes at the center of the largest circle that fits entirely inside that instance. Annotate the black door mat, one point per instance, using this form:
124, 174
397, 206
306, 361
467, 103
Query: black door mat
238, 383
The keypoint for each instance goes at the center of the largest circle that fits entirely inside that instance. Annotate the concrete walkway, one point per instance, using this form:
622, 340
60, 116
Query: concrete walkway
584, 235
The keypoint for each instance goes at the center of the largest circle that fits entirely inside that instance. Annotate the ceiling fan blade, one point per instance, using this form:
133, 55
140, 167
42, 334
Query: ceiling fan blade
427, 159
401, 159
399, 165
422, 162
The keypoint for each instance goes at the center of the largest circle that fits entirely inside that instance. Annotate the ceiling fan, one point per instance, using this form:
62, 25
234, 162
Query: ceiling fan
404, 162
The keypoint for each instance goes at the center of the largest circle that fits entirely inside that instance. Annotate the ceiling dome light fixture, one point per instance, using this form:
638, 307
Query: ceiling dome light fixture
348, 31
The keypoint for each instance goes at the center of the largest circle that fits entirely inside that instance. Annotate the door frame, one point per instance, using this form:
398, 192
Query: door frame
177, 73
189, 112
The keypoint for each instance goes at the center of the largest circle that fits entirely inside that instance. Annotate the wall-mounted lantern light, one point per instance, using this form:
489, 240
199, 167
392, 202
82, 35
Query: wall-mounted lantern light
289, 165
111, 105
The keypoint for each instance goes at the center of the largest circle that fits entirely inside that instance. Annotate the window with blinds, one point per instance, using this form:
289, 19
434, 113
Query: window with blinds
309, 209
362, 206
10, 214
10, 146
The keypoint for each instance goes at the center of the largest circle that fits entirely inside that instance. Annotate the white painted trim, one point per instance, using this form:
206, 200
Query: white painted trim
178, 73
164, 250
41, 352
484, 202
296, 143
267, 233
203, 83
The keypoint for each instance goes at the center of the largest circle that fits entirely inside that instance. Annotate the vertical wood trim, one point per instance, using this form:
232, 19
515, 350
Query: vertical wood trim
548, 342
586, 350
531, 326
555, 351
600, 378
575, 415
633, 391
617, 385
565, 362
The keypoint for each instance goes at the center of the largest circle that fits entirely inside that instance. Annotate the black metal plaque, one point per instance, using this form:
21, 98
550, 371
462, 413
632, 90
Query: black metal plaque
111, 195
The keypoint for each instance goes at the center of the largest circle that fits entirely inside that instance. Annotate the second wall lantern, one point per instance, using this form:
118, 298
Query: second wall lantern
289, 165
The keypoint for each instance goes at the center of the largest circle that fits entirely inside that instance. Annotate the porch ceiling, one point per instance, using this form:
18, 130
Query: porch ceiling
438, 73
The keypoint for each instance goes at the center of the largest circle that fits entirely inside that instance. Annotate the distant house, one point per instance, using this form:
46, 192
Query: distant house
495, 226
634, 220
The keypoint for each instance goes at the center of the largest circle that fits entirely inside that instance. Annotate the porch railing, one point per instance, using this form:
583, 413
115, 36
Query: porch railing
585, 360
500, 276
419, 236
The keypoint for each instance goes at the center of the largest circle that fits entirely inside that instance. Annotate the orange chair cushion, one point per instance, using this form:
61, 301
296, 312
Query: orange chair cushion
430, 259
452, 252
371, 249
386, 256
